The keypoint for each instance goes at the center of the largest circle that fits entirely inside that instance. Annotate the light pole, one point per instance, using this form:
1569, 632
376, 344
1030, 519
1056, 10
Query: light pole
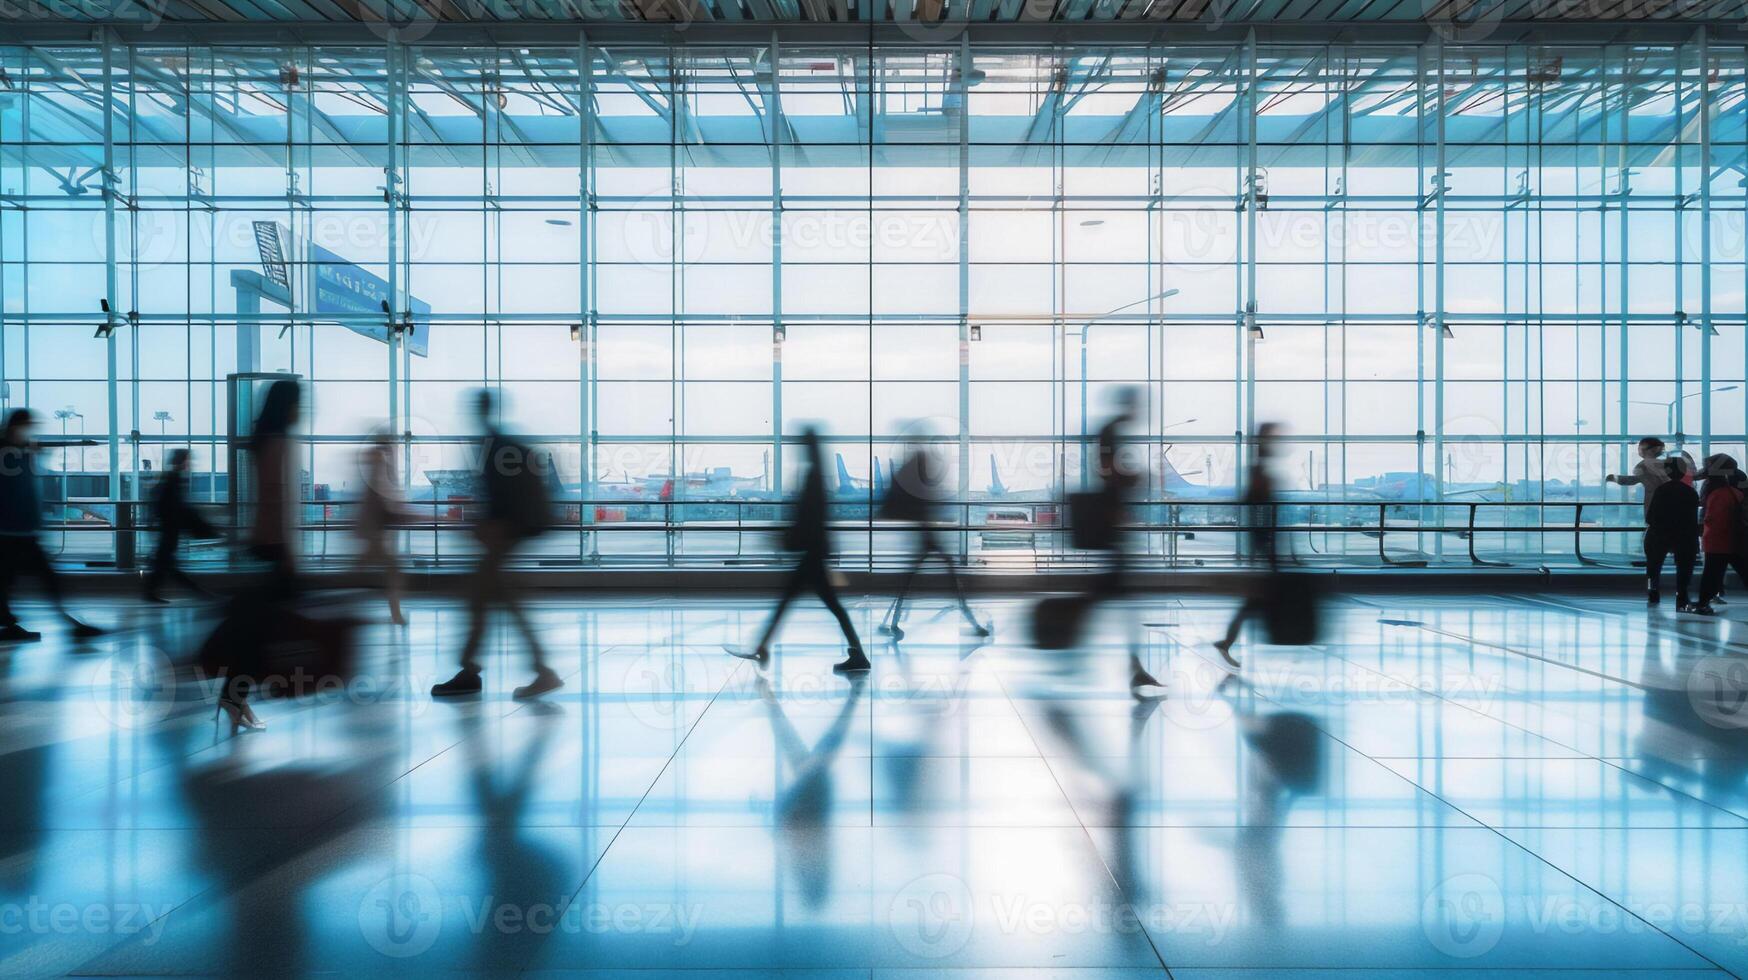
1669, 406
63, 414
1084, 330
162, 418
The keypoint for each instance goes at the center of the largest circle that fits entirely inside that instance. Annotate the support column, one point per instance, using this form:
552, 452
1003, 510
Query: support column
1247, 320
110, 282
585, 283
1705, 249
774, 113
1441, 181
964, 86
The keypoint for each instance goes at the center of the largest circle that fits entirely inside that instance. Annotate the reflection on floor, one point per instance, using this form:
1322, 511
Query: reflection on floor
1482, 783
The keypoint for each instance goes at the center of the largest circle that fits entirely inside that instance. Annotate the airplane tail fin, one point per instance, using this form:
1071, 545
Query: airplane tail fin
996, 488
845, 484
1169, 477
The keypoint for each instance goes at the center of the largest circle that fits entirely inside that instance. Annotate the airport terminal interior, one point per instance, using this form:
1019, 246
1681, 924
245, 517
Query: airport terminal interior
464, 466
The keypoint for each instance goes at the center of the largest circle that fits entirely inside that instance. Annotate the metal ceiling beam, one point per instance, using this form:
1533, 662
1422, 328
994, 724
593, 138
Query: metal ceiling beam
1125, 34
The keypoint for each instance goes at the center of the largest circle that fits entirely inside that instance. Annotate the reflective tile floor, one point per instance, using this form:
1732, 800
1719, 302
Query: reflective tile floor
1486, 783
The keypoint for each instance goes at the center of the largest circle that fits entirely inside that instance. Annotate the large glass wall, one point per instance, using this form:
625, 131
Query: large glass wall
1456, 275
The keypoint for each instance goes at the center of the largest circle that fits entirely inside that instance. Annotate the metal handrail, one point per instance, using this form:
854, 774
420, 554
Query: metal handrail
1173, 528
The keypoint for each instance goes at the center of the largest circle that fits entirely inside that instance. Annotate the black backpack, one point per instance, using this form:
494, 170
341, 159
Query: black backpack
519, 487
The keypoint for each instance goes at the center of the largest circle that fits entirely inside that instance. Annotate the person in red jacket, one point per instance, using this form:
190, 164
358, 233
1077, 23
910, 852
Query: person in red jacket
1720, 539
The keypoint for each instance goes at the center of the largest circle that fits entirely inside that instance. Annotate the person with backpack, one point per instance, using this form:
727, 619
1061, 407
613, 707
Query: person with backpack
1671, 530
915, 499
1723, 535
513, 481
807, 533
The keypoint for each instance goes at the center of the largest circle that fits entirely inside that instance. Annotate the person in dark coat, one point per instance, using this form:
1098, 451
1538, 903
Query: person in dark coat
915, 499
1671, 530
21, 551
1259, 512
518, 500
1119, 478
808, 534
175, 517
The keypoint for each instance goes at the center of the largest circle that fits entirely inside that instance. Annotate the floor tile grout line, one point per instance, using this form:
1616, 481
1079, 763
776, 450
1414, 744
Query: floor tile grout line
269, 863
1706, 804
1503, 837
1081, 823
1539, 857
595, 866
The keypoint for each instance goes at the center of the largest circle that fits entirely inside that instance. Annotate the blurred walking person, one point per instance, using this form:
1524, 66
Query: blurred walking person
1259, 510
273, 451
379, 511
175, 516
1671, 530
21, 551
807, 533
234, 651
1119, 478
517, 508
1721, 535
915, 499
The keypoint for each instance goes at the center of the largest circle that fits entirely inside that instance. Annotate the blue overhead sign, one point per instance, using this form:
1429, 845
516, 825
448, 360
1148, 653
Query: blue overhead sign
342, 287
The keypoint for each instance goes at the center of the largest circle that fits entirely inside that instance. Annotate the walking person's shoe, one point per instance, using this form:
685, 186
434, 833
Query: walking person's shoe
18, 634
83, 630
241, 715
855, 663
1225, 648
978, 629
1703, 609
465, 682
1653, 597
760, 656
544, 682
1143, 686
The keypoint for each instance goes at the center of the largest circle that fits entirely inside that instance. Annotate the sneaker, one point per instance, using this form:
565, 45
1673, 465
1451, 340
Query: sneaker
1145, 687
1225, 648
85, 631
544, 681
1703, 609
761, 656
18, 634
1653, 597
856, 662
466, 681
